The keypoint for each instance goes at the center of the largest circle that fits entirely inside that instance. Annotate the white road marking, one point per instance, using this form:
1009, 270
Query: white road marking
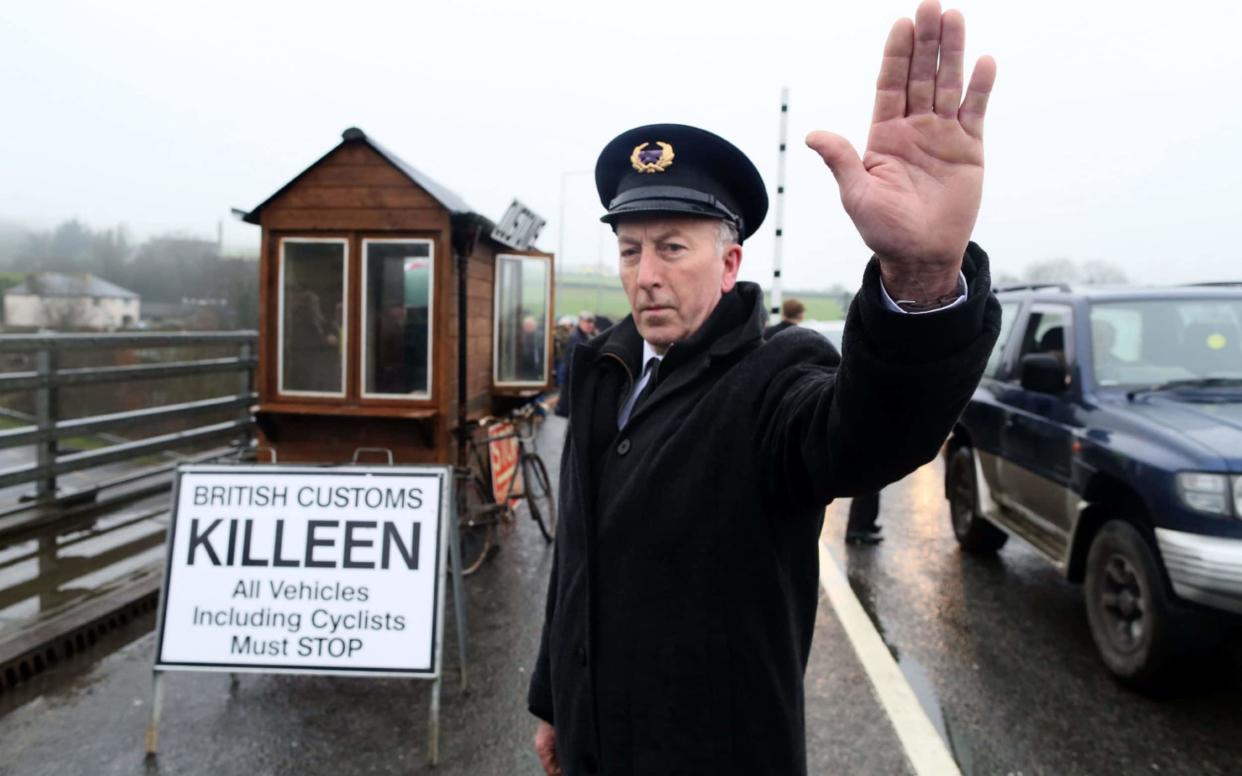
924, 748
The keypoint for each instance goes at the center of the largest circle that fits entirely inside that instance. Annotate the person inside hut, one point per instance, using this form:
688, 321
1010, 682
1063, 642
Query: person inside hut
312, 354
531, 348
699, 458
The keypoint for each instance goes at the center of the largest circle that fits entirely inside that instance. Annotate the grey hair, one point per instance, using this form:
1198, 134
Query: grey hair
727, 235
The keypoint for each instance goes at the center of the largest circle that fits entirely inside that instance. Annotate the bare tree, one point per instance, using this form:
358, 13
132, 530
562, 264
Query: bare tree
1052, 271
1062, 270
1101, 271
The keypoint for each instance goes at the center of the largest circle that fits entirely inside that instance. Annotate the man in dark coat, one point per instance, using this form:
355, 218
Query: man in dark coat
792, 312
699, 459
584, 329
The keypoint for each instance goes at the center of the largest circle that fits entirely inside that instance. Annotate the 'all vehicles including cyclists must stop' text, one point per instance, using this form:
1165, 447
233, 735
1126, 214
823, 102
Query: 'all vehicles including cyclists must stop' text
319, 633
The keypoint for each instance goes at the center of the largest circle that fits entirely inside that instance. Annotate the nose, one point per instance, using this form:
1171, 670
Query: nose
649, 269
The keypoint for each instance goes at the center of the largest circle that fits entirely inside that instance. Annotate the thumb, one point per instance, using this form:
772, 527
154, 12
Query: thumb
840, 157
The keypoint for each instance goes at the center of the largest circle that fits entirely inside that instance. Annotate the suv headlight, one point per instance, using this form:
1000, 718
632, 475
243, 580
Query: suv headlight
1207, 492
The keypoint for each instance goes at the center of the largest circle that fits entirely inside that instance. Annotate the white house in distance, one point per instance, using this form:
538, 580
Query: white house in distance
57, 300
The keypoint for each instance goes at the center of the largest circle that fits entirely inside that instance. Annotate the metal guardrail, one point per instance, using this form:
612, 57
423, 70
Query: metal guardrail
48, 378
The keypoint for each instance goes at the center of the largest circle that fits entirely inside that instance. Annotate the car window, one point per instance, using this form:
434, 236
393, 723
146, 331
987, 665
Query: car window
1009, 311
1047, 331
1153, 341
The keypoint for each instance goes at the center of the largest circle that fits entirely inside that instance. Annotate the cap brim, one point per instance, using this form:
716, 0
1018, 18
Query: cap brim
658, 206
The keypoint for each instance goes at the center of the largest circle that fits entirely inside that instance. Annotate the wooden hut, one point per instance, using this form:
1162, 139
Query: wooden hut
364, 266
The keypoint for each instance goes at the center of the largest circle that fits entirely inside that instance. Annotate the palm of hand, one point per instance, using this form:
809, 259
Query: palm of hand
915, 194
922, 190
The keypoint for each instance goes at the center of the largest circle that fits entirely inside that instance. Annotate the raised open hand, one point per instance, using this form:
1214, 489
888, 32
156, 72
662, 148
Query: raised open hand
915, 194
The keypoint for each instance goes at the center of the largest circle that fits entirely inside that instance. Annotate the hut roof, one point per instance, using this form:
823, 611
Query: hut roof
451, 201
75, 284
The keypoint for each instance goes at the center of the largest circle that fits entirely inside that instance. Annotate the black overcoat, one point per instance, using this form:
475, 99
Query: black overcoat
686, 575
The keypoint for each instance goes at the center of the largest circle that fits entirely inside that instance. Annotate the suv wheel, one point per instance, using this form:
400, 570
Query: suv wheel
974, 533
1131, 620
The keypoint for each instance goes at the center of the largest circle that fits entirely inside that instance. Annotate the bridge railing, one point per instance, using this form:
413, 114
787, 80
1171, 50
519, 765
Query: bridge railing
47, 425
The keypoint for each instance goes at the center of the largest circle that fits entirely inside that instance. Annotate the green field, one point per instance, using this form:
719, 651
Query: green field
608, 299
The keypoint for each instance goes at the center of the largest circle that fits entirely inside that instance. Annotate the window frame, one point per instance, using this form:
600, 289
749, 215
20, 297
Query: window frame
547, 329
362, 322
1006, 343
1045, 308
343, 339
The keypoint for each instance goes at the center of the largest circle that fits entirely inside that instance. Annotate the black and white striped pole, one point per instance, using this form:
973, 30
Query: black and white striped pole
779, 211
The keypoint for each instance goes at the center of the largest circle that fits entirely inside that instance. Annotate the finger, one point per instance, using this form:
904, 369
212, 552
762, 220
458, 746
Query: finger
890, 87
921, 91
976, 103
949, 76
840, 157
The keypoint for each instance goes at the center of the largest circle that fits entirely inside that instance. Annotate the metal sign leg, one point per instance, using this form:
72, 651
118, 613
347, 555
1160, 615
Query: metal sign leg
157, 708
433, 734
459, 598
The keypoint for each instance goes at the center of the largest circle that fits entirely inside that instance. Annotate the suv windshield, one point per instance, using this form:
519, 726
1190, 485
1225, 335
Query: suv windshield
1155, 342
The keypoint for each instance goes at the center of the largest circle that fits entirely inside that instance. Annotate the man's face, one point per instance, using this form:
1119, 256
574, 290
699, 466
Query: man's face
587, 325
674, 271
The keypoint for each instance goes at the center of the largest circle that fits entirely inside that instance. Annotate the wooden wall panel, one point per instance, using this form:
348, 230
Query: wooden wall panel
479, 315
355, 219
385, 198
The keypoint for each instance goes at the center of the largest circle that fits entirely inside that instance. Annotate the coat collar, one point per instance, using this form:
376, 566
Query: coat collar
736, 325
737, 322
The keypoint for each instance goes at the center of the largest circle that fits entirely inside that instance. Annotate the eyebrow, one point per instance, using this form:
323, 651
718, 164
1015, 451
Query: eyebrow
659, 237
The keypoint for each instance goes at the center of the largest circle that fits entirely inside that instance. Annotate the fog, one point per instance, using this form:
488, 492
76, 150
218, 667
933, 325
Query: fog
1112, 133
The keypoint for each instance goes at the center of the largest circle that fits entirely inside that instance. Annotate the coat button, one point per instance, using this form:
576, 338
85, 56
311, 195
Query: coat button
588, 764
582, 656
624, 447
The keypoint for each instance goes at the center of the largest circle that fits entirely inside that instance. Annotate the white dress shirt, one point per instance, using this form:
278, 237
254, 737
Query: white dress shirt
650, 359
890, 304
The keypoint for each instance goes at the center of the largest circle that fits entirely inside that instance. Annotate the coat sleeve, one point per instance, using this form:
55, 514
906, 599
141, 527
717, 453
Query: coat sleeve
902, 383
539, 697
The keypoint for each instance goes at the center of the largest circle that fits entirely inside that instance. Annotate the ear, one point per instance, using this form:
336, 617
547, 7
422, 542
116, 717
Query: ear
732, 263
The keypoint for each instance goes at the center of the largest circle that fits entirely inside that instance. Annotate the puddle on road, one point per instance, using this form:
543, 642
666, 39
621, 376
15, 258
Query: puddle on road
41, 577
916, 674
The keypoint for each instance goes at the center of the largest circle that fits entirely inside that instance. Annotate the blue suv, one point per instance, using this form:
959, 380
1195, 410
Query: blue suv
1107, 433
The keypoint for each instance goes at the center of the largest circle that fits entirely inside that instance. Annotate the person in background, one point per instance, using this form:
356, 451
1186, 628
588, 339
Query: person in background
564, 326
580, 335
862, 527
792, 312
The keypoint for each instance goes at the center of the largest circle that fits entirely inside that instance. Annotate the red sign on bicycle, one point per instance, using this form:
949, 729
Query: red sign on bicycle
503, 453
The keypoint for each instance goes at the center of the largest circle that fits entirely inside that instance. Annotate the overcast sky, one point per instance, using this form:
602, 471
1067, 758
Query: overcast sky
1114, 132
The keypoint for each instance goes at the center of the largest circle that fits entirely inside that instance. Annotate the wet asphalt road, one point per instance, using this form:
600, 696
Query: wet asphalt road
1000, 653
997, 650
89, 719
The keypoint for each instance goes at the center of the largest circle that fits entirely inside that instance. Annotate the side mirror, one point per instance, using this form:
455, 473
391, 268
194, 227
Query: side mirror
1043, 373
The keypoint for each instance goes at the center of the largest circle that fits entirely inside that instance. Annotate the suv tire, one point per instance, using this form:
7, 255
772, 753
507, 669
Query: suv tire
1132, 621
973, 531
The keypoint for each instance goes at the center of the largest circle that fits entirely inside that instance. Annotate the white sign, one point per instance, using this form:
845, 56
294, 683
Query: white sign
305, 570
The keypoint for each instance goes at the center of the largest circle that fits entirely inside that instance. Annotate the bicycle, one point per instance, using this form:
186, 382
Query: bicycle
479, 512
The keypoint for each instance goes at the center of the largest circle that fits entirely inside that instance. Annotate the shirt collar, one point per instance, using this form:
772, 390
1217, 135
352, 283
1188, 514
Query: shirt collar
648, 354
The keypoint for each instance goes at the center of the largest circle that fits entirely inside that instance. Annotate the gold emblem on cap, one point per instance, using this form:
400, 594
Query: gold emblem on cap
659, 165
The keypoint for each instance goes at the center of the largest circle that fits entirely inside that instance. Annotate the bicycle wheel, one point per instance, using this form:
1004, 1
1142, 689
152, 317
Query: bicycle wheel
475, 524
539, 498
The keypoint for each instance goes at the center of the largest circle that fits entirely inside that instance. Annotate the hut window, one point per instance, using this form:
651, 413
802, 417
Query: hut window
312, 316
396, 336
523, 297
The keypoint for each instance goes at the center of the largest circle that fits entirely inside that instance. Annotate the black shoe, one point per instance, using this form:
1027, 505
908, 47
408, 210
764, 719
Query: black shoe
869, 536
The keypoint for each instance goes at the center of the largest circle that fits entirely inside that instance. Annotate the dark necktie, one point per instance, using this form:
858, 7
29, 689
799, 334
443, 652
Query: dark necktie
649, 388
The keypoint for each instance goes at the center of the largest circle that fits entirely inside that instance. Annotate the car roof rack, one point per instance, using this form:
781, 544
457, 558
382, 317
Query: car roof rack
1033, 287
1215, 284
